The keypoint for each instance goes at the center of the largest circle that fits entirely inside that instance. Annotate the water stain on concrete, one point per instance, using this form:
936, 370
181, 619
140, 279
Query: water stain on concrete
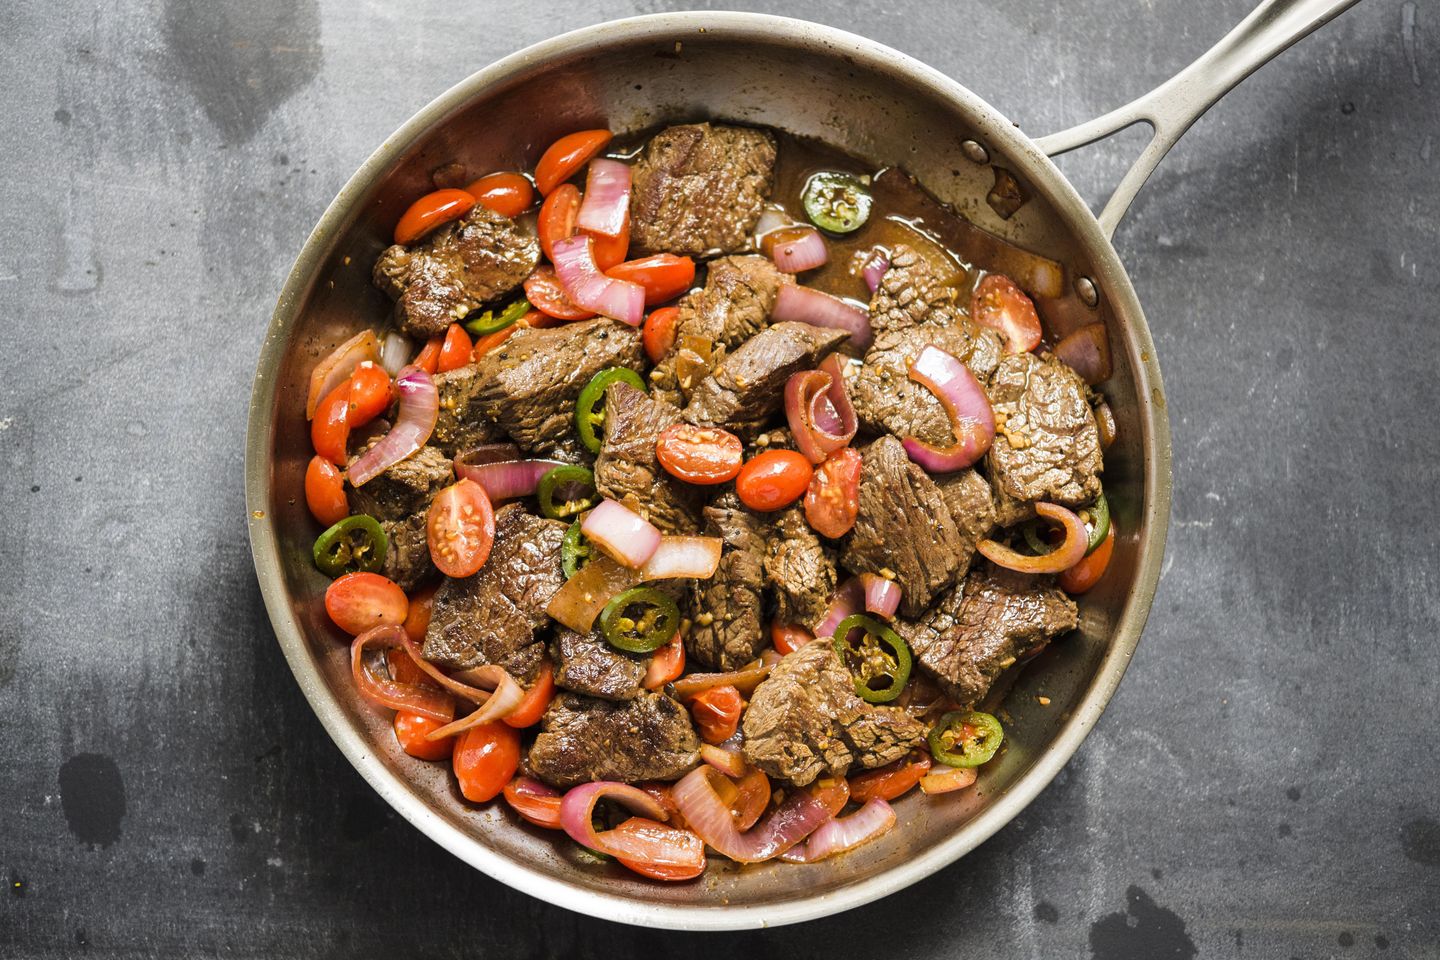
1144, 931
92, 794
1420, 839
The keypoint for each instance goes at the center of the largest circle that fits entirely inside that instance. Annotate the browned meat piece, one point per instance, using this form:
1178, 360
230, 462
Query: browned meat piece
910, 293
971, 503
984, 625
589, 664
584, 739
459, 423
806, 721
800, 569
905, 526
492, 617
749, 384
627, 469
727, 631
530, 384
407, 558
699, 189
1047, 446
462, 266
405, 487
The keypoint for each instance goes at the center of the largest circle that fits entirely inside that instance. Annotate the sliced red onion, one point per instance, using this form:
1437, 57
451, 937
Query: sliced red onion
746, 679
881, 596
487, 453
682, 558
839, 834
849, 599
622, 533
417, 698
808, 305
795, 819
1070, 551
771, 218
504, 698
818, 410
584, 595
590, 289
729, 762
419, 406
874, 269
395, 352
607, 198
964, 400
507, 479
537, 802
1087, 352
664, 847
943, 779
805, 252
333, 370
463, 690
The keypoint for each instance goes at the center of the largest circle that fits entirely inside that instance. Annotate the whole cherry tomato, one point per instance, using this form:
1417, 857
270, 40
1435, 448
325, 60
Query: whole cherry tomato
410, 732
658, 337
772, 480
330, 430
370, 393
1091, 567
664, 276
486, 757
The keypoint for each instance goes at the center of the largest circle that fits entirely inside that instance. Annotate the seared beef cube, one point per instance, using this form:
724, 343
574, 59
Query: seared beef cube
584, 739
905, 526
492, 616
530, 384
627, 468
700, 189
459, 423
806, 721
800, 569
1047, 446
971, 503
984, 625
749, 384
462, 266
910, 293
727, 631
407, 558
403, 488
589, 664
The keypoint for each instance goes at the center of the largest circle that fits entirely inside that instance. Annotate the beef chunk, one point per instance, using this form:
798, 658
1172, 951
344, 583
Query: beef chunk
627, 469
699, 189
404, 487
530, 384
589, 664
462, 266
984, 625
492, 617
727, 630
584, 739
459, 423
971, 503
800, 569
749, 384
905, 525
1046, 446
806, 721
910, 293
407, 559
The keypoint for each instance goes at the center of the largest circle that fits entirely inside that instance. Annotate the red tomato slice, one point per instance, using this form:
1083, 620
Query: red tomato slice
666, 665
557, 218
998, 303
330, 430
417, 623
610, 251
773, 480
428, 359
541, 809
658, 336
492, 340
485, 759
889, 782
460, 528
430, 211
410, 732
717, 712
566, 156
833, 501
700, 455
325, 491
363, 601
370, 393
508, 194
537, 699
1085, 574
789, 637
455, 349
543, 290
664, 276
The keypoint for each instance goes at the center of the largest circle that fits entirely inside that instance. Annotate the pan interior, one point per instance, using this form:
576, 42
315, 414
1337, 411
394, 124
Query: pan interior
631, 75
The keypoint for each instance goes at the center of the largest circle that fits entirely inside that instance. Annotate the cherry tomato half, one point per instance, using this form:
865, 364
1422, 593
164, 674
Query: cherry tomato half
609, 252
430, 211
362, 601
330, 430
833, 500
325, 491
455, 349
700, 455
428, 359
370, 393
460, 528
540, 808
557, 218
717, 712
410, 731
665, 839
492, 340
485, 758
998, 303
543, 290
417, 623
566, 156
508, 194
537, 699
889, 781
788, 637
658, 336
666, 665
772, 480
1091, 567
664, 276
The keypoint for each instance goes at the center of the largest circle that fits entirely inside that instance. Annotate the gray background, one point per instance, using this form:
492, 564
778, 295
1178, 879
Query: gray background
1264, 784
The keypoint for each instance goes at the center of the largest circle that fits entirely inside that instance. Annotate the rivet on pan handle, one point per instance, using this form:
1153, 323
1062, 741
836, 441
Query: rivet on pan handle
1173, 106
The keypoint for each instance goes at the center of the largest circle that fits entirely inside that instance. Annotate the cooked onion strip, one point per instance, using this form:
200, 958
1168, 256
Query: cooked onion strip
945, 779
964, 400
590, 289
839, 834
745, 680
621, 532
729, 762
874, 269
419, 407
881, 596
333, 370
797, 816
413, 697
505, 697
507, 479
818, 410
1087, 352
584, 595
649, 842
1070, 551
808, 305
606, 206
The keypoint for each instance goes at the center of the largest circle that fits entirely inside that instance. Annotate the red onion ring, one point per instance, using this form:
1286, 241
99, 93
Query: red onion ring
874, 269
818, 410
607, 198
668, 846
839, 834
964, 400
683, 558
788, 824
808, 305
1087, 352
507, 479
849, 599
1070, 551
506, 696
580, 600
881, 596
536, 802
419, 407
729, 762
590, 289
805, 252
414, 697
621, 532
333, 370
746, 679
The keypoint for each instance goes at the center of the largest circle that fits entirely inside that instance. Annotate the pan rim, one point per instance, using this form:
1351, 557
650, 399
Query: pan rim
1112, 278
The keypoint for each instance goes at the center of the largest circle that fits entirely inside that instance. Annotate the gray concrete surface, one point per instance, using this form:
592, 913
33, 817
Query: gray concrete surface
1264, 784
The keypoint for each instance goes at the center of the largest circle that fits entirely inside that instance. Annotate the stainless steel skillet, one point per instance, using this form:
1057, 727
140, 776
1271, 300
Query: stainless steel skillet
872, 102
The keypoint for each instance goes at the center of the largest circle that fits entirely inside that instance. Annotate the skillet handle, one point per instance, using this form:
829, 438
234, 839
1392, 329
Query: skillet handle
1173, 106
